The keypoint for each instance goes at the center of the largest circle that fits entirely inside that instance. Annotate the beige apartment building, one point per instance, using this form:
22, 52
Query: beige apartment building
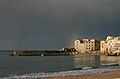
113, 45
103, 47
87, 45
110, 46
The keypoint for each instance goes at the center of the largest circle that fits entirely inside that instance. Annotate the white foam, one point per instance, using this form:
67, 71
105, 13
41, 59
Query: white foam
87, 71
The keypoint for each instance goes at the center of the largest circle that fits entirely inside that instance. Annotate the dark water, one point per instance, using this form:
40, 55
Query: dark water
32, 64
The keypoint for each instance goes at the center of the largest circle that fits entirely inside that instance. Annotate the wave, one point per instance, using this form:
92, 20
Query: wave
83, 71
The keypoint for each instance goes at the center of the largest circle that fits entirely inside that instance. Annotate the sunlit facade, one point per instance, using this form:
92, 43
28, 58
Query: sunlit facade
86, 45
103, 47
113, 45
110, 46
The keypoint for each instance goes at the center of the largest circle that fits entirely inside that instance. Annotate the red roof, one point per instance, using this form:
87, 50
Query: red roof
97, 40
81, 40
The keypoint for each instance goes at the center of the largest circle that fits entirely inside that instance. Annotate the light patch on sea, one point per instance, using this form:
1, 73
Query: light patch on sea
83, 71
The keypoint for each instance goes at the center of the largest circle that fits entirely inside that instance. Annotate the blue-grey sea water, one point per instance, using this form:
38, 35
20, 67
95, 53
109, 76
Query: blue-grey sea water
36, 64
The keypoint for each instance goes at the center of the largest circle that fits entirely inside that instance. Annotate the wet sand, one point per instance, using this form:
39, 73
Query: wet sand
107, 75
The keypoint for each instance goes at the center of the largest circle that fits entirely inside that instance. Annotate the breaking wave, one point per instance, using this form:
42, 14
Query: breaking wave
83, 71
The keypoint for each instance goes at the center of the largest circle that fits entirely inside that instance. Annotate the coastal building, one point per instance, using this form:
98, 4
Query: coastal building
87, 45
110, 46
113, 45
103, 47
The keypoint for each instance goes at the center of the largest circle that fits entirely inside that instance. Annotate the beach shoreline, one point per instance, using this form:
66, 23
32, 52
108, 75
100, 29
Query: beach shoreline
105, 75
104, 72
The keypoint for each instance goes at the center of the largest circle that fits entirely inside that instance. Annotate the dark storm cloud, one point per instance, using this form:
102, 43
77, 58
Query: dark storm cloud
50, 24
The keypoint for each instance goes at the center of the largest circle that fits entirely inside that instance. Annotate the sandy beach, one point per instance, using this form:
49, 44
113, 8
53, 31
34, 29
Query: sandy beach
107, 75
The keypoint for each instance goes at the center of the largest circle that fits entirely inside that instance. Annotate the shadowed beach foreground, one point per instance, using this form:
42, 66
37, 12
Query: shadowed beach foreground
108, 75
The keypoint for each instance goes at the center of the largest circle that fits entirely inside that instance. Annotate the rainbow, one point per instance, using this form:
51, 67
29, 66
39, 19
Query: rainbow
73, 37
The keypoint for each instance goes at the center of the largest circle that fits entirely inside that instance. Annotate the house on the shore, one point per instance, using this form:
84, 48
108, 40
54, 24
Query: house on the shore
111, 45
87, 45
103, 47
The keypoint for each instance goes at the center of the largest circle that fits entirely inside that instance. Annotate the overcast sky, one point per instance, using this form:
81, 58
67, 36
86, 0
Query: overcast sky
54, 24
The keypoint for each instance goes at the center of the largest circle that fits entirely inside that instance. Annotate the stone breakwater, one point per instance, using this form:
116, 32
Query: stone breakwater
43, 53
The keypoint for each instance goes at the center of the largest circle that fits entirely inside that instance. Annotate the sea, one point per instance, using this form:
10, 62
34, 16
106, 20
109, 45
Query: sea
33, 67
